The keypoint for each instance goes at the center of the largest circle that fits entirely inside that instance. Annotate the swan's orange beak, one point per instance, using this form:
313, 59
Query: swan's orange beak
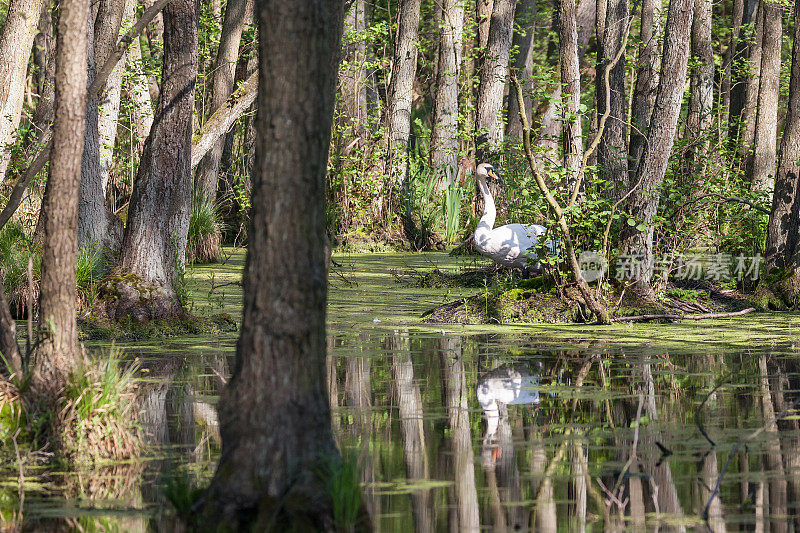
493, 174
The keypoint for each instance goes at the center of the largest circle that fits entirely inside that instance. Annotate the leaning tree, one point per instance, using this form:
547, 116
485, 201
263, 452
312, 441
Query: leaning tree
153, 247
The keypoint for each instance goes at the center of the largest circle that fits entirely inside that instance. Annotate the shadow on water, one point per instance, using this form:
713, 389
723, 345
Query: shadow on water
521, 429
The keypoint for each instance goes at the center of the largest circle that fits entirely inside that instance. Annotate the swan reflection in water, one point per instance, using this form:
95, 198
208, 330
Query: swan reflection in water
505, 385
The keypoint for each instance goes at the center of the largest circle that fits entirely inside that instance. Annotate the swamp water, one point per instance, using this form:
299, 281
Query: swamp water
467, 428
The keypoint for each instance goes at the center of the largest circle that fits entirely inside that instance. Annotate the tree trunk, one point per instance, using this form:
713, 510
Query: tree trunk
727, 62
444, 137
223, 83
354, 79
762, 167
699, 118
140, 93
782, 250
58, 353
43, 47
644, 95
404, 68
745, 68
490, 125
109, 98
523, 63
612, 152
746, 139
268, 472
153, 248
643, 202
16, 41
571, 91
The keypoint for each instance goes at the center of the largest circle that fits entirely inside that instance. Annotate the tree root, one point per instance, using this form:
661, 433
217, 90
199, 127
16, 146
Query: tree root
702, 316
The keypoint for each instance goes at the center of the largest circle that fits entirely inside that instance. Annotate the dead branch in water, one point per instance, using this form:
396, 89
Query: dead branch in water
702, 316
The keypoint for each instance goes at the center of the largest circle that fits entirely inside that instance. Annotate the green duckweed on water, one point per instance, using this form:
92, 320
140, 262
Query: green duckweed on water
411, 405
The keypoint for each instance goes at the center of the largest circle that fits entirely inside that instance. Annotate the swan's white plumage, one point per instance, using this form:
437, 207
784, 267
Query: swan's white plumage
512, 245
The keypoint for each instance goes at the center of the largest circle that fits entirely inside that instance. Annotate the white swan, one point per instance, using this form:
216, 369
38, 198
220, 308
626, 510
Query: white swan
512, 245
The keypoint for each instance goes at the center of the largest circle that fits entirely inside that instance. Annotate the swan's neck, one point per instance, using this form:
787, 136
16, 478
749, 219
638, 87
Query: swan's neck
489, 210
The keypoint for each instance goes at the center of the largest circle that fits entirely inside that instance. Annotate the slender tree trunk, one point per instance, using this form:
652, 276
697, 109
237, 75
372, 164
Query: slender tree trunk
762, 167
746, 137
523, 63
58, 353
43, 47
96, 225
139, 93
155, 47
444, 137
612, 152
154, 244
586, 14
354, 79
120, 15
404, 68
745, 62
727, 62
223, 83
644, 95
16, 41
699, 118
783, 231
267, 475
643, 202
571, 91
490, 125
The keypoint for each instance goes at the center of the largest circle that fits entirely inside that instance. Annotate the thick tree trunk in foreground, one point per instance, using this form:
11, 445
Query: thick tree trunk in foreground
571, 91
16, 41
223, 84
58, 353
762, 167
644, 95
783, 232
158, 217
444, 137
404, 68
490, 125
274, 416
643, 202
612, 152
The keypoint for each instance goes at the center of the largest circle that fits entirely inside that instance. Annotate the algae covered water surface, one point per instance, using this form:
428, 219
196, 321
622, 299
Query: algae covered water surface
475, 427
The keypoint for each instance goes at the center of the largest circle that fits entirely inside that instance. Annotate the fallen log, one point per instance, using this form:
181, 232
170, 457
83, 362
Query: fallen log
702, 316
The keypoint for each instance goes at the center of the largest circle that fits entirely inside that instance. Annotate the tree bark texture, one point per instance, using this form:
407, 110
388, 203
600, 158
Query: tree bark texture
643, 202
736, 29
783, 232
571, 91
404, 68
16, 41
701, 101
223, 84
154, 244
490, 125
762, 168
356, 79
274, 415
444, 137
612, 152
522, 42
644, 95
58, 352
